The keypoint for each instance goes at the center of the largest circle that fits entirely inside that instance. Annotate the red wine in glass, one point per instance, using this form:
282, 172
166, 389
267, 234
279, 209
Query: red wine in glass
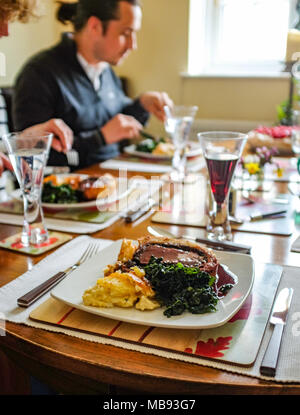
221, 168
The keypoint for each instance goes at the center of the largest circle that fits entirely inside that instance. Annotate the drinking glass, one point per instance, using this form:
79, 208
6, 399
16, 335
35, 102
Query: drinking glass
178, 123
295, 140
28, 154
221, 150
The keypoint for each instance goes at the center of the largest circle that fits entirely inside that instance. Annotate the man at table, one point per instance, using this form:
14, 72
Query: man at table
74, 80
63, 136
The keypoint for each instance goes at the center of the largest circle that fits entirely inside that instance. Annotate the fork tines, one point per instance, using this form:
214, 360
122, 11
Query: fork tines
72, 157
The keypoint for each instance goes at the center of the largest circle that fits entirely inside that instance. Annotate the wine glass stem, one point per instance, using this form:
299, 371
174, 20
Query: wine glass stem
221, 213
218, 226
34, 230
179, 162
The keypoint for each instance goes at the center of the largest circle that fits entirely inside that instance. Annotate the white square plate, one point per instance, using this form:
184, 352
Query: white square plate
71, 289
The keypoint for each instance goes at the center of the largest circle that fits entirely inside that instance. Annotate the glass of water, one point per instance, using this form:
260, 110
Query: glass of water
28, 154
178, 123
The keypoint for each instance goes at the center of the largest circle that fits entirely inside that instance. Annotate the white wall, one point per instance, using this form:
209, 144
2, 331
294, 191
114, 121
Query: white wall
26, 39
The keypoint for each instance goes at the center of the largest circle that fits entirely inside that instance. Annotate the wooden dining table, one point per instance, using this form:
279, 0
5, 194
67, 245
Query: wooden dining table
72, 365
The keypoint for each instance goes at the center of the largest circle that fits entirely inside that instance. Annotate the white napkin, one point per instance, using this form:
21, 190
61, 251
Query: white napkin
61, 259
296, 245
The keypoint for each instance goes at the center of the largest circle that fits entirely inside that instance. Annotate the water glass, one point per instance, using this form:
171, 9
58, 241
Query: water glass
28, 154
178, 123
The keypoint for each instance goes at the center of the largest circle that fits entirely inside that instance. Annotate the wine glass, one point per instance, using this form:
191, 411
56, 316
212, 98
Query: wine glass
222, 150
178, 123
28, 154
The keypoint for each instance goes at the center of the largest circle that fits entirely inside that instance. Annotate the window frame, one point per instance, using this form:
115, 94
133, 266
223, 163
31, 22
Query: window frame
203, 16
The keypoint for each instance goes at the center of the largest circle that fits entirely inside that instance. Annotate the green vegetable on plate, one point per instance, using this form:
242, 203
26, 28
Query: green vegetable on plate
180, 288
60, 194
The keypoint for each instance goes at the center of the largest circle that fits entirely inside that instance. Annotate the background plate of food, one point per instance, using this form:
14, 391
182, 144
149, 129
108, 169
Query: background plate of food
160, 149
116, 292
79, 191
278, 137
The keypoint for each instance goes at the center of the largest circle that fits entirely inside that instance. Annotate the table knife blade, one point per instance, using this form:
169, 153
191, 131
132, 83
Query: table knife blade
278, 318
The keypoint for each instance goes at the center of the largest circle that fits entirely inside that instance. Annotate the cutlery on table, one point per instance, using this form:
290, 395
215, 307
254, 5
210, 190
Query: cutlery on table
134, 214
33, 295
278, 319
72, 157
56, 170
259, 216
226, 246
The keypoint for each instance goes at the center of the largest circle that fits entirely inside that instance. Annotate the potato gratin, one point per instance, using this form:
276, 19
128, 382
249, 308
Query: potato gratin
122, 289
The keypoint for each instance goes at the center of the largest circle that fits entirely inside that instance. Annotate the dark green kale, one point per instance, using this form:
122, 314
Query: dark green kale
60, 194
181, 288
225, 288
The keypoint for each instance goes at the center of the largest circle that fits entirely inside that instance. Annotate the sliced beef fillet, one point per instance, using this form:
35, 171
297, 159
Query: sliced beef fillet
173, 251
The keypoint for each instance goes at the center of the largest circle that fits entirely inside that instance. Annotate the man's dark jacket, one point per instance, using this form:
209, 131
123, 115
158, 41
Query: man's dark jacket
53, 84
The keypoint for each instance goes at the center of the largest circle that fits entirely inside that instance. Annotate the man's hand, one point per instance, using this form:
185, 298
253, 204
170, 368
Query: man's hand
4, 163
154, 103
63, 135
119, 127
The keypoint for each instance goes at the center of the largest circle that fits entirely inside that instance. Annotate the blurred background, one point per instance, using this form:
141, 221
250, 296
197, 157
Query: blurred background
239, 86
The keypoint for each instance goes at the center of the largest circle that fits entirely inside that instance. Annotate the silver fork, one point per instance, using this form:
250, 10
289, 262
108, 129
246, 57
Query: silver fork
29, 298
72, 157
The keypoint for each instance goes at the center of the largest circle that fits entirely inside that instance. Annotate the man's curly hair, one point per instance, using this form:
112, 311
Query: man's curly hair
21, 10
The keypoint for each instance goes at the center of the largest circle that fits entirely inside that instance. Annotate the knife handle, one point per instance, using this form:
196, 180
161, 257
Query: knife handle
133, 215
269, 362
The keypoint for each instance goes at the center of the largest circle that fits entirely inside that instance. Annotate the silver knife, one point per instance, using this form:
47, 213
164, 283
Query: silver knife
224, 245
278, 318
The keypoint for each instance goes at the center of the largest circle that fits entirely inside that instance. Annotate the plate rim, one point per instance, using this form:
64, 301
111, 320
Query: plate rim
102, 312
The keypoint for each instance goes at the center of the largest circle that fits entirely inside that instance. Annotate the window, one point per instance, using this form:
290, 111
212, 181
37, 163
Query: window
227, 36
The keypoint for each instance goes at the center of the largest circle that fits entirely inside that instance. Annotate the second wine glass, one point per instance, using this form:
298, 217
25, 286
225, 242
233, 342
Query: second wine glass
222, 150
